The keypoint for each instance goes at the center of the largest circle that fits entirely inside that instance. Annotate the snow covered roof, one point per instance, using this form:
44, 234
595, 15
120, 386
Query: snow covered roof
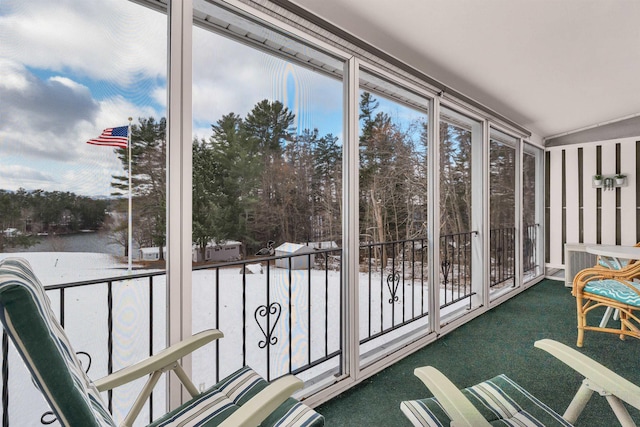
292, 248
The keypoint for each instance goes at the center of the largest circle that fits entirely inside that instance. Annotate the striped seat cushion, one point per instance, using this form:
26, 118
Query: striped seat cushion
27, 317
217, 403
500, 400
613, 289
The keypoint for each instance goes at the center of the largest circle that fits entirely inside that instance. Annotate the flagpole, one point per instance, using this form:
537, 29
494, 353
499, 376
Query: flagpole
130, 241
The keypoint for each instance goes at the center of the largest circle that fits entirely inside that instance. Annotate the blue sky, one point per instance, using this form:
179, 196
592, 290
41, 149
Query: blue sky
71, 69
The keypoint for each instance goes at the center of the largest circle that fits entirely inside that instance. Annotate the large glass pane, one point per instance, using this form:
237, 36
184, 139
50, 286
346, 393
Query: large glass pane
267, 191
74, 72
393, 283
460, 213
532, 164
502, 203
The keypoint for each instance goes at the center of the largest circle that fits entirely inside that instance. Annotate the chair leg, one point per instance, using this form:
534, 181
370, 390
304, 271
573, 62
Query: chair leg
578, 402
621, 412
623, 320
581, 321
606, 317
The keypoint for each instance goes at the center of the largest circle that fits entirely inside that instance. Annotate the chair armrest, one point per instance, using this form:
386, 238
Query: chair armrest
260, 406
630, 272
456, 405
159, 361
588, 274
598, 374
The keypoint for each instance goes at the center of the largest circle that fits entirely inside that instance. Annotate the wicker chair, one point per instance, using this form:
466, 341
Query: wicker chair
614, 263
610, 288
241, 399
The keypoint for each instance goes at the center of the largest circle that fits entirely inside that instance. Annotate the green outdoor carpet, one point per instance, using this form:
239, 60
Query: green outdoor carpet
498, 342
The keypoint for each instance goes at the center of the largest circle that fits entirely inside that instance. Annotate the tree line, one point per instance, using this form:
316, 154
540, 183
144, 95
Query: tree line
25, 214
257, 178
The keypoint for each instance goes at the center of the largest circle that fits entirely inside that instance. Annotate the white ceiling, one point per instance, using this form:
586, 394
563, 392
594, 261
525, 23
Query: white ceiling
552, 66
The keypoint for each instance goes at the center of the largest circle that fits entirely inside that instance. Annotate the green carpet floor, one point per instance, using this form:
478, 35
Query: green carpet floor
500, 341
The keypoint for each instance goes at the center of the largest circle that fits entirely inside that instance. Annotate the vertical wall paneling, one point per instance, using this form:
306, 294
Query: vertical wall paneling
608, 201
547, 204
599, 196
636, 180
576, 211
572, 192
556, 245
628, 196
589, 194
564, 199
618, 194
580, 195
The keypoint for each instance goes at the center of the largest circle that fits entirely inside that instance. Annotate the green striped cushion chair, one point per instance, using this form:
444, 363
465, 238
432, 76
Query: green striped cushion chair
501, 401
221, 400
27, 317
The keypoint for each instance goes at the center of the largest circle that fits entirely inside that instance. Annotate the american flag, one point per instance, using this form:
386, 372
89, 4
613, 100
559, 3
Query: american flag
113, 137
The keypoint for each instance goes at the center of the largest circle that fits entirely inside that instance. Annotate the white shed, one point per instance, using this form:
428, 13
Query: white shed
151, 254
297, 262
327, 244
227, 251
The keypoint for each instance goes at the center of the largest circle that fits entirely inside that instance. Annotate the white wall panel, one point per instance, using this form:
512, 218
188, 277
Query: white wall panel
628, 193
608, 207
611, 216
572, 206
555, 211
589, 194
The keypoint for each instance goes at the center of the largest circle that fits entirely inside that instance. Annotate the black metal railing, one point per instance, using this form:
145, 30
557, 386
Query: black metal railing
455, 268
82, 292
395, 293
289, 305
529, 248
502, 257
280, 315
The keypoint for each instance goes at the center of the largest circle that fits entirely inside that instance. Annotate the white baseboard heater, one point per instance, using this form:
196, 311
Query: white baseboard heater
576, 258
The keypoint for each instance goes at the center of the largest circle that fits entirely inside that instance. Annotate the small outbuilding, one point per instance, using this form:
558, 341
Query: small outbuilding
306, 258
151, 254
225, 251
327, 244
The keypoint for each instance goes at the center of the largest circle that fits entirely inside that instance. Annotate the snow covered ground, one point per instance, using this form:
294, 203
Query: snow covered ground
284, 306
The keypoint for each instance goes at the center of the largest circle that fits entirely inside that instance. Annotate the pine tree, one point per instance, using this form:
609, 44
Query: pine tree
148, 155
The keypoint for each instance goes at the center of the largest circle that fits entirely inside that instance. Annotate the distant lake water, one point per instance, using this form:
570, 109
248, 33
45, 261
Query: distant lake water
79, 242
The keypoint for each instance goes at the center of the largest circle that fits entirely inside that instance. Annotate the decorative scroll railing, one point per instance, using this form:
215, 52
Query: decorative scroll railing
280, 314
455, 268
393, 286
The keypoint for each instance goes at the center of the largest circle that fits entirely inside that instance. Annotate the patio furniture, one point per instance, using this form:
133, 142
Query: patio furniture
610, 288
609, 257
242, 399
614, 257
500, 398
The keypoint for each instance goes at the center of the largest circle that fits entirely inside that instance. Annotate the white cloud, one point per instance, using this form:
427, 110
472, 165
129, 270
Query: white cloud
12, 78
116, 41
18, 174
71, 68
231, 77
69, 83
48, 123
